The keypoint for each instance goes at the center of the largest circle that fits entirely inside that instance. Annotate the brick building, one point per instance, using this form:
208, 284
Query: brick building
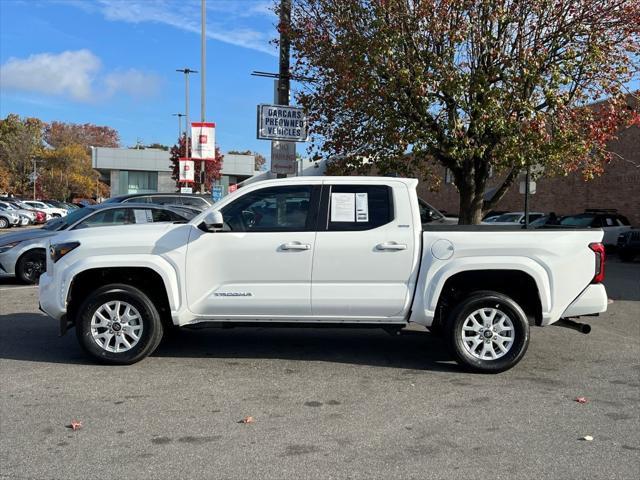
618, 187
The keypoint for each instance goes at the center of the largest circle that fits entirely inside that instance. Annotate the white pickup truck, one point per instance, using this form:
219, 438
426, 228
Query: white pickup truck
347, 251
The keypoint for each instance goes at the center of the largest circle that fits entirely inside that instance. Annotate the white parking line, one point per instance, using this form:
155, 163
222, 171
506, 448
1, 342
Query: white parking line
18, 288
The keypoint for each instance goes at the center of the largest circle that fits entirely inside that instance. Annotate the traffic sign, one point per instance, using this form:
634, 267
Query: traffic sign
283, 157
217, 193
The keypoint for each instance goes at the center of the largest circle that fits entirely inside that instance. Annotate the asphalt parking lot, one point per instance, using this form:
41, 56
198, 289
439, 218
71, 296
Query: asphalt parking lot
326, 403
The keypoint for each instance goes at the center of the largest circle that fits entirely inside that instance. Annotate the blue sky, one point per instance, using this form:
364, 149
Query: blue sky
112, 62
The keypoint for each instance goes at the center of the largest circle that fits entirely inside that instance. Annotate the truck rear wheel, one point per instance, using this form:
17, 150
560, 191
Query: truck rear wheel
118, 324
488, 332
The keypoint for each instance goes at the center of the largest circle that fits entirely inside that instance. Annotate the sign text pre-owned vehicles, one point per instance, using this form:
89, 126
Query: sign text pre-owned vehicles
323, 250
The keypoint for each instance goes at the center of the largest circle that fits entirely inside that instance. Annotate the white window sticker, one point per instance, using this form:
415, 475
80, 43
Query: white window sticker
362, 207
343, 207
143, 216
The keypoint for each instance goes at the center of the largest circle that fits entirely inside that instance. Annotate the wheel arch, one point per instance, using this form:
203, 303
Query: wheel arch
516, 284
144, 278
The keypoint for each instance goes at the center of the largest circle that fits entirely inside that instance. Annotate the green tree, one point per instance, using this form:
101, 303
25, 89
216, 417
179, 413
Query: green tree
474, 85
20, 143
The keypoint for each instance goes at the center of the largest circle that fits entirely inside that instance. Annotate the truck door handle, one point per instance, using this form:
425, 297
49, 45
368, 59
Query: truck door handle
391, 246
295, 246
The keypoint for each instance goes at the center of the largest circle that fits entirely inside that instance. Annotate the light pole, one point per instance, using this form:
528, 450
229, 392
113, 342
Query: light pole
186, 72
203, 77
35, 177
179, 115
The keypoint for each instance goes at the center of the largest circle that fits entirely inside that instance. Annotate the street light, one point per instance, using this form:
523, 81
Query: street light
186, 72
179, 115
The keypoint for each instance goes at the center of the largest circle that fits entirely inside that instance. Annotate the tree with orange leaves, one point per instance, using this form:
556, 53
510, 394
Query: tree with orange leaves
477, 86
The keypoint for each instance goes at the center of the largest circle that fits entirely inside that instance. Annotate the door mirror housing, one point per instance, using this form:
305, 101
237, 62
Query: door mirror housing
213, 221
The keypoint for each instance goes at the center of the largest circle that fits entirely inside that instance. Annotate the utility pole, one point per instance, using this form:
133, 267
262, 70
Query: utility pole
186, 72
285, 53
35, 177
203, 78
526, 196
179, 115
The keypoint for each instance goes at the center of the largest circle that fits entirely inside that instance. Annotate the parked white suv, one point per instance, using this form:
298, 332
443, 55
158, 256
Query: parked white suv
51, 212
344, 251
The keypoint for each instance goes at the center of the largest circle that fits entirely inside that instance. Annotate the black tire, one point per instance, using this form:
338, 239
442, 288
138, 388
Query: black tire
152, 330
4, 223
503, 304
31, 265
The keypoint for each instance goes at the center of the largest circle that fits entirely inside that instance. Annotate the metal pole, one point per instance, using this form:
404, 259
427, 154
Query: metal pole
179, 115
203, 76
186, 72
285, 47
526, 197
35, 179
187, 129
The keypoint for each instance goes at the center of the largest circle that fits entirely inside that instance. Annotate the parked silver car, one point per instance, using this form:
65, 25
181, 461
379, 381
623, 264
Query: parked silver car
23, 254
8, 218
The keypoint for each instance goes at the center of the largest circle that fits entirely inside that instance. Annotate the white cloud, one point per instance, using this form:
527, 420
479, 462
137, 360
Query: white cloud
74, 74
185, 15
69, 73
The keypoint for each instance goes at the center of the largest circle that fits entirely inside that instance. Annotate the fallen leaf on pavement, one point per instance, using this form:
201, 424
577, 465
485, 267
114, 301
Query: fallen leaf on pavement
581, 399
247, 420
75, 425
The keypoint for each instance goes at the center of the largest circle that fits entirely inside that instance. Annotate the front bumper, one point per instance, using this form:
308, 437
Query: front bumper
49, 294
591, 301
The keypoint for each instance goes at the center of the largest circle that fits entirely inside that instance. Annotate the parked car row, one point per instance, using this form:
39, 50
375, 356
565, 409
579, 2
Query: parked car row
15, 212
609, 220
23, 254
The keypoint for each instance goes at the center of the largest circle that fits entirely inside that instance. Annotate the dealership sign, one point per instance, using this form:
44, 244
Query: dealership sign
186, 170
203, 140
281, 122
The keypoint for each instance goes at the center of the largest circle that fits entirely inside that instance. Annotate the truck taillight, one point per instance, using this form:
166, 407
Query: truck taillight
598, 249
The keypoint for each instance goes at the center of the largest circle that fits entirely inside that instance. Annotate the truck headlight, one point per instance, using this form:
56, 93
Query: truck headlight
56, 252
8, 246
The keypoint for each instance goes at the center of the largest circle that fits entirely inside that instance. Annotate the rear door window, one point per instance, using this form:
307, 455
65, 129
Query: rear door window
359, 207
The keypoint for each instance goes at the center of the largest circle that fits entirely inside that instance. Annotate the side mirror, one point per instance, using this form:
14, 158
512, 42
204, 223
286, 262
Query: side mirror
213, 221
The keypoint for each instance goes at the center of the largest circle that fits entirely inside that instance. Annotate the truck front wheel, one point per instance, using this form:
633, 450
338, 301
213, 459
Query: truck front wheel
118, 324
488, 332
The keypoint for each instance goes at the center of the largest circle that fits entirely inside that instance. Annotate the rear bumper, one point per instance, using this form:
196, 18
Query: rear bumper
591, 301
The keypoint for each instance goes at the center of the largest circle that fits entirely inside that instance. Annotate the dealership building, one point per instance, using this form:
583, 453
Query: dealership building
148, 170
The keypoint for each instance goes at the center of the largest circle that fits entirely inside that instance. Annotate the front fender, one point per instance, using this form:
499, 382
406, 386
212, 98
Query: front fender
158, 264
